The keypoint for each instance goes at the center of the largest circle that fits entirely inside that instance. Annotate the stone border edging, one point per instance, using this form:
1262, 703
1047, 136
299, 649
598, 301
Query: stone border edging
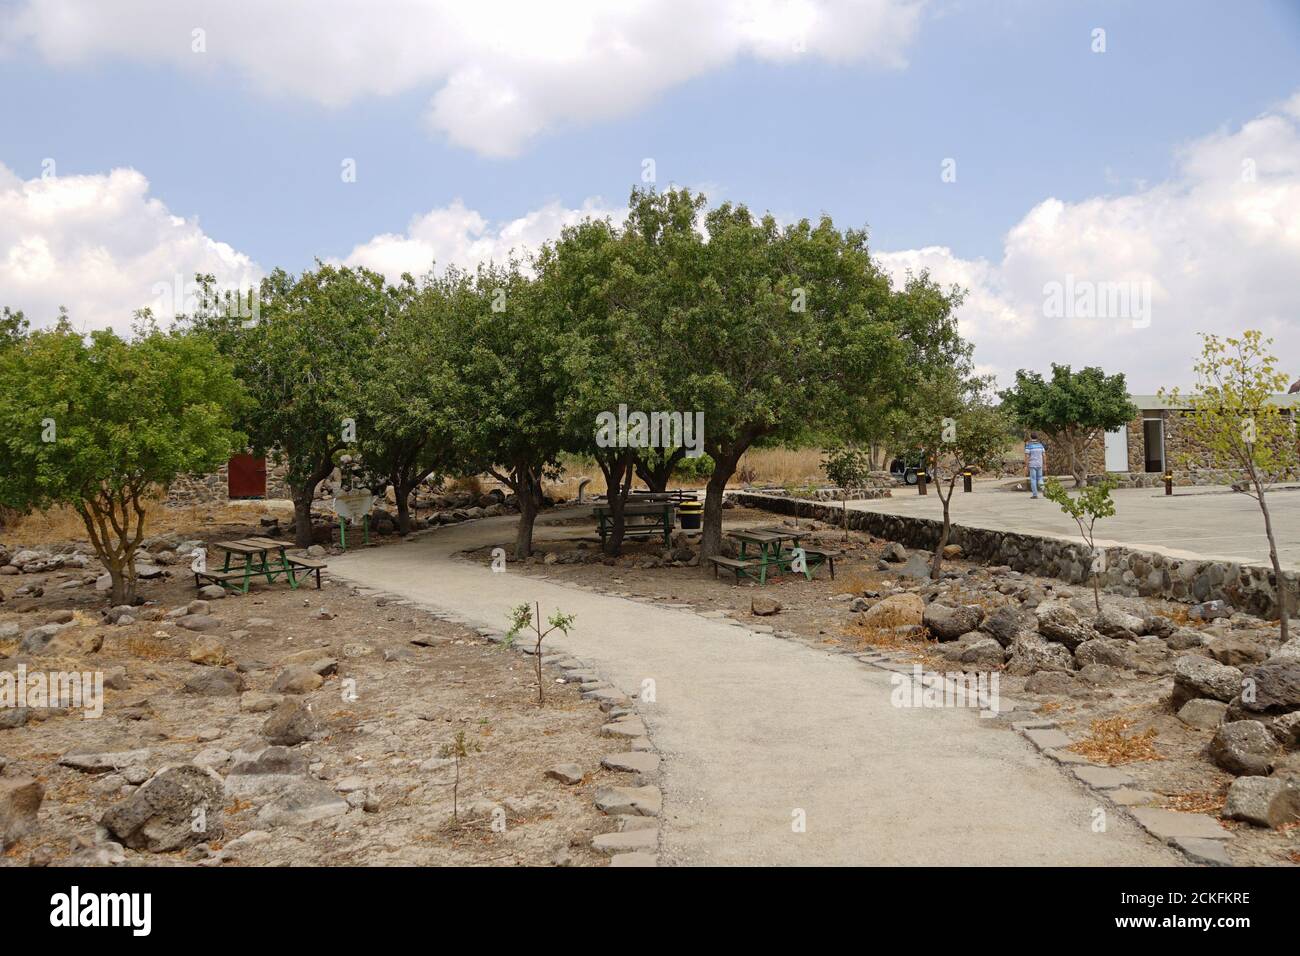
1130, 571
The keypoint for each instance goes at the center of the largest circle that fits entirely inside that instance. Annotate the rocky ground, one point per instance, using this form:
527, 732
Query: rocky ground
282, 727
1197, 707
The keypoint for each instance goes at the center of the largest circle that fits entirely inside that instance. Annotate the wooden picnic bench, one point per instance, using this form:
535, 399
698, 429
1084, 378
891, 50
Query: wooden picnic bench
639, 520
769, 542
257, 562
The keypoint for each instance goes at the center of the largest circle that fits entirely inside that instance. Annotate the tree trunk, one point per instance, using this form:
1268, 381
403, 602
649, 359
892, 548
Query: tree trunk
527, 515
656, 472
937, 561
122, 574
618, 472
1283, 598
403, 494
302, 514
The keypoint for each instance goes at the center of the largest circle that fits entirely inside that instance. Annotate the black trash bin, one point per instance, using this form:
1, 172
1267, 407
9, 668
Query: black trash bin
689, 514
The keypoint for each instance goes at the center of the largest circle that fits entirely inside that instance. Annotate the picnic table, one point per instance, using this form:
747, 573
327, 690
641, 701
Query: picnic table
252, 558
639, 520
770, 545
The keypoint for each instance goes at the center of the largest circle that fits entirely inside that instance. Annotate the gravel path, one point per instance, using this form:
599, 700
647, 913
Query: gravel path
754, 728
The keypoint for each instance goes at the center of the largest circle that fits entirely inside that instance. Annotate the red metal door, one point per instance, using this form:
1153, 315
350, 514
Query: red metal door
246, 477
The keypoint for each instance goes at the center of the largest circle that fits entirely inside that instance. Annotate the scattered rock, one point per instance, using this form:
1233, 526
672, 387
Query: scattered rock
208, 650
1263, 801
894, 611
1276, 687
212, 592
569, 773
215, 682
20, 800
198, 622
894, 553
634, 801
304, 802
1111, 651
1203, 713
291, 723
1030, 652
297, 679
1114, 623
1006, 623
1244, 748
176, 808
102, 761
949, 623
1236, 650
764, 606
1060, 623
1197, 676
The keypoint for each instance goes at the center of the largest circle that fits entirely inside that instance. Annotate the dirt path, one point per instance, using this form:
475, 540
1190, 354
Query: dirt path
754, 728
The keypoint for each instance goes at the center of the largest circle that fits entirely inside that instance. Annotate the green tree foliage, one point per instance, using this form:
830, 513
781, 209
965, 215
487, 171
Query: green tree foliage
1072, 408
849, 467
1234, 416
305, 363
406, 430
1091, 503
100, 424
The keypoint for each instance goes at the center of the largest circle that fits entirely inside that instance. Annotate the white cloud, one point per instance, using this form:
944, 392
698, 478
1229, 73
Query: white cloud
455, 235
499, 72
101, 246
1217, 247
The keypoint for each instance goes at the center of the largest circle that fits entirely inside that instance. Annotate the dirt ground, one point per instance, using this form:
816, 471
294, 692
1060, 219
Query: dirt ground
818, 612
388, 708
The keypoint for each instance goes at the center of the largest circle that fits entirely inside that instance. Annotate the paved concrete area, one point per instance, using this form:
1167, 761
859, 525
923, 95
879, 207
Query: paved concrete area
1205, 522
756, 731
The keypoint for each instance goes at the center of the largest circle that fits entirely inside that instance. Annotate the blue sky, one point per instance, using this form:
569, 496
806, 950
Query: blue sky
1010, 90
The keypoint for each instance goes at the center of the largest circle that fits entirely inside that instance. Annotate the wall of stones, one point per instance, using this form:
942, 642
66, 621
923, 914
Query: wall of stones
1129, 571
214, 487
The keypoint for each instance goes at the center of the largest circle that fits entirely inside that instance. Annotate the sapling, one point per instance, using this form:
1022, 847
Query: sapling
523, 617
849, 467
458, 748
1092, 502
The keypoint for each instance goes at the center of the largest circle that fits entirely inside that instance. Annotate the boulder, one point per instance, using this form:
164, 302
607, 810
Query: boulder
916, 566
1060, 623
198, 622
215, 682
764, 606
1158, 625
1197, 676
894, 553
1244, 748
1110, 651
1112, 622
1286, 729
297, 679
894, 611
1203, 713
1030, 653
291, 723
20, 800
208, 650
1276, 685
1263, 801
1236, 650
1183, 639
1006, 623
984, 653
176, 808
304, 802
948, 623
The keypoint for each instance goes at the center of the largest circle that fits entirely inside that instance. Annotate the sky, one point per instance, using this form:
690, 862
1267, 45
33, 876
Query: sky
1104, 179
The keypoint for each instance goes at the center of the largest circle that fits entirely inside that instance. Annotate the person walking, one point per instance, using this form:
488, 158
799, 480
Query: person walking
1035, 459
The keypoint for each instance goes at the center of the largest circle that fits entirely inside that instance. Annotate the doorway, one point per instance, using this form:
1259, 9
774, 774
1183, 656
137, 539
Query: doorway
1153, 443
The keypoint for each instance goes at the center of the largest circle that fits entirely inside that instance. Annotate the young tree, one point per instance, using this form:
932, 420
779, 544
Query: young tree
849, 467
1234, 416
303, 361
1092, 503
953, 420
1073, 409
100, 425
525, 617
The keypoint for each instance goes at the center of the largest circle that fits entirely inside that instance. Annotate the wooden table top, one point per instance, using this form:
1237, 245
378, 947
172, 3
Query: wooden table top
250, 545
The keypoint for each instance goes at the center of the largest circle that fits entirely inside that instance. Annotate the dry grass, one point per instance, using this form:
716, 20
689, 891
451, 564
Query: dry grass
1197, 801
42, 528
762, 466
1108, 744
147, 648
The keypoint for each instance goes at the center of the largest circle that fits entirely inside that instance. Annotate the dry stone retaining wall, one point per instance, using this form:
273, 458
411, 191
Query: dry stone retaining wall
1130, 571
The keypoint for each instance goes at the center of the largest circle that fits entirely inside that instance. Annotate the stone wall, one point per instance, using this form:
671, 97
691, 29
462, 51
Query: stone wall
214, 486
1128, 571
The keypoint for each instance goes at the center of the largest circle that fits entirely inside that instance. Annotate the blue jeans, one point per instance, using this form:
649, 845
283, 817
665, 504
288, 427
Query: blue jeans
1035, 479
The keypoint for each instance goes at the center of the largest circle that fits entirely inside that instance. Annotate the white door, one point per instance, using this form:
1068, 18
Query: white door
1117, 449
